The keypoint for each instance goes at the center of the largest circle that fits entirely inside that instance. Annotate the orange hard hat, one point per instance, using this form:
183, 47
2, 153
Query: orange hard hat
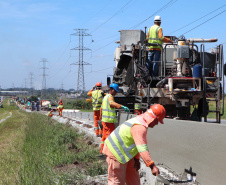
60, 100
52, 110
98, 84
158, 111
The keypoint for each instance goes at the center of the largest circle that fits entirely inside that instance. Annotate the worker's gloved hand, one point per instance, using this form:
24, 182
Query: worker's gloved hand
155, 170
125, 108
137, 164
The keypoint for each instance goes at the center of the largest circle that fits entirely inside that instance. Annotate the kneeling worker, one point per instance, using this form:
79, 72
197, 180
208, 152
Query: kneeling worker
108, 112
127, 143
50, 113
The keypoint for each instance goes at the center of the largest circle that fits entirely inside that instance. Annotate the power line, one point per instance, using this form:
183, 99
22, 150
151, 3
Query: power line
112, 16
162, 8
61, 67
101, 70
204, 22
197, 19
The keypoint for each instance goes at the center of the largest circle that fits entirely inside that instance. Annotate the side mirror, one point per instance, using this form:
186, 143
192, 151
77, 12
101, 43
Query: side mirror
224, 69
108, 81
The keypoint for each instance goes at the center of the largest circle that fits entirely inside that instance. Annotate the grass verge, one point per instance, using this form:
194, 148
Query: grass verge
38, 150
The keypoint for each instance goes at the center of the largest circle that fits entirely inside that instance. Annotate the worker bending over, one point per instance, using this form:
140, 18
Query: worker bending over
96, 103
50, 113
108, 112
155, 36
127, 143
60, 108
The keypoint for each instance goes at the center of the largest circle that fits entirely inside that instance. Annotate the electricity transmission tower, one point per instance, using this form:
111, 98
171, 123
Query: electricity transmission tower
31, 84
43, 93
81, 80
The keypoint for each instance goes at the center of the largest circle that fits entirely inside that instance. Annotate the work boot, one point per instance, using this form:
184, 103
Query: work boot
100, 135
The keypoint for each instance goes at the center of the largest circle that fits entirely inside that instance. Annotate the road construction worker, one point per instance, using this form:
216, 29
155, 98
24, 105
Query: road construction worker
32, 106
127, 143
60, 108
50, 113
37, 105
50, 106
108, 112
155, 36
28, 104
96, 96
138, 109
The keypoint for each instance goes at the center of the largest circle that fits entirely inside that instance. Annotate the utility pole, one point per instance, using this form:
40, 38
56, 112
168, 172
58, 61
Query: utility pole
31, 84
43, 93
81, 80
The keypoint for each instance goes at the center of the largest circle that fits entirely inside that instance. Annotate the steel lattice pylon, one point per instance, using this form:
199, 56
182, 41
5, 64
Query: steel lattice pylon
81, 80
43, 93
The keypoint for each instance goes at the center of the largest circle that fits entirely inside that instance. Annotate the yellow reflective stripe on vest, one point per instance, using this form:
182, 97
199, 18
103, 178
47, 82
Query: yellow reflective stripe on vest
96, 99
121, 143
142, 148
126, 150
154, 38
108, 113
156, 35
60, 106
107, 109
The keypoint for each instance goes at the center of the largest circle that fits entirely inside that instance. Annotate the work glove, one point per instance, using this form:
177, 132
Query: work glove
154, 170
125, 108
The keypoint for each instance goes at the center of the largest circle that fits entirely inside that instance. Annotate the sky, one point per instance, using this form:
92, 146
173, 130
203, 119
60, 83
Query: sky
33, 31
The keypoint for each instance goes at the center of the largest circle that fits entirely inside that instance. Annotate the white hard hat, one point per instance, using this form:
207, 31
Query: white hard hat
157, 18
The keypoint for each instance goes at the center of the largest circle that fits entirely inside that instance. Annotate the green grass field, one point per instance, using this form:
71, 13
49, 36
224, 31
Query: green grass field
37, 150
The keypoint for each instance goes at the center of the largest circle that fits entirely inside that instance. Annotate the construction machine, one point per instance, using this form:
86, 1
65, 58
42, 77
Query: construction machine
187, 75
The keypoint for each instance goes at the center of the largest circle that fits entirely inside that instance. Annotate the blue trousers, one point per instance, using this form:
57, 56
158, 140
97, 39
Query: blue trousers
153, 57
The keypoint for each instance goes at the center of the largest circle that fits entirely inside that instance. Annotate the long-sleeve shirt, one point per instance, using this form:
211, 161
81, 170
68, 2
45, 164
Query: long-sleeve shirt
139, 134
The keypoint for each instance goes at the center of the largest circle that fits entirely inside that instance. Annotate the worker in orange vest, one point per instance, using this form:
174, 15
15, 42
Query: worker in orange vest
96, 96
108, 112
50, 113
127, 143
60, 107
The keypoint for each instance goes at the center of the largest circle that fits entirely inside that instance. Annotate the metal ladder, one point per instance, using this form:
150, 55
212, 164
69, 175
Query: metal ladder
217, 90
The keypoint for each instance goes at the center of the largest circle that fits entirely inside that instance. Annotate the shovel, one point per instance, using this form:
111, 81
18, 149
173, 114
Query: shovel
162, 179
